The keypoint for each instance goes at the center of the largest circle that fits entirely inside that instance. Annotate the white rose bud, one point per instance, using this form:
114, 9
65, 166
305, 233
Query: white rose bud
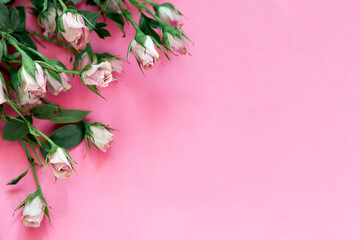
55, 87
2, 94
49, 23
60, 164
101, 137
36, 87
33, 213
145, 55
170, 16
99, 74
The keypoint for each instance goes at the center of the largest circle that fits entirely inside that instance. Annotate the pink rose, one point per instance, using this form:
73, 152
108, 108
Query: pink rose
33, 213
2, 94
75, 30
145, 55
49, 23
55, 87
101, 137
99, 74
177, 44
85, 60
116, 65
35, 87
60, 164
170, 16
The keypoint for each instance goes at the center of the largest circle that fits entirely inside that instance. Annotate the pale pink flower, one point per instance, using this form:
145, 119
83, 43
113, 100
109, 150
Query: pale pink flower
101, 137
60, 164
85, 60
99, 74
55, 87
145, 55
33, 213
113, 4
49, 23
36, 87
177, 44
116, 65
2, 94
75, 30
170, 16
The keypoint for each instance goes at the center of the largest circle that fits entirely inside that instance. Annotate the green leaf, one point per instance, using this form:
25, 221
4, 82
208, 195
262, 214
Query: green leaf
5, 1
18, 19
4, 16
147, 24
16, 180
57, 115
15, 130
115, 17
91, 18
101, 31
1, 51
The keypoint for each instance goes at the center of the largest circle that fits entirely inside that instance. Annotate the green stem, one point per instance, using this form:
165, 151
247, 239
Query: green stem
64, 7
50, 40
31, 161
68, 71
140, 5
128, 16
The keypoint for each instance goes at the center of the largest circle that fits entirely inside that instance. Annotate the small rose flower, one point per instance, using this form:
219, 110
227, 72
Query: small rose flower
99, 74
75, 30
177, 44
33, 212
60, 164
145, 55
116, 65
49, 23
55, 87
170, 16
85, 60
2, 94
36, 87
101, 137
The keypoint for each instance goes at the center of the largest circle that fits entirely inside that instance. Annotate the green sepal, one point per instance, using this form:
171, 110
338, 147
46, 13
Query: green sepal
16, 180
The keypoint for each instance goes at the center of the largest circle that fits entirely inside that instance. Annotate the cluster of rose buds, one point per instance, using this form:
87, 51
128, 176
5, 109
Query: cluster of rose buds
29, 76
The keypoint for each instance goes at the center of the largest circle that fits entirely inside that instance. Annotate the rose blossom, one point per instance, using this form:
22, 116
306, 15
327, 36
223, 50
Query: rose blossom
85, 60
36, 87
116, 65
75, 30
55, 87
101, 137
113, 4
60, 164
99, 74
49, 23
33, 213
146, 56
177, 44
170, 16
2, 94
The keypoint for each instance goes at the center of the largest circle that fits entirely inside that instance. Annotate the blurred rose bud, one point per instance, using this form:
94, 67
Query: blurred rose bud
146, 56
36, 87
33, 212
49, 23
2, 94
170, 16
75, 30
85, 60
113, 4
177, 44
55, 87
101, 137
116, 65
60, 164
99, 74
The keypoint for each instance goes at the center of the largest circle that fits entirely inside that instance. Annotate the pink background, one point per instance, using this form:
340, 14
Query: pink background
256, 136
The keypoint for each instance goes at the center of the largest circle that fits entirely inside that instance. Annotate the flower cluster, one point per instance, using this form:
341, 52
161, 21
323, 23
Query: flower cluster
27, 76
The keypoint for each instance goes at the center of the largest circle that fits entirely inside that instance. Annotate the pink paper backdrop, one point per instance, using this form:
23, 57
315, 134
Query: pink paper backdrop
256, 136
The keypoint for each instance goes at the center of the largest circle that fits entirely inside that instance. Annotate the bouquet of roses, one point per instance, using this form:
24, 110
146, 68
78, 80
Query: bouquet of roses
27, 75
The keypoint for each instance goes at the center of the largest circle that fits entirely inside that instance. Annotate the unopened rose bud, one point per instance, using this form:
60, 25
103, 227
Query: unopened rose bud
75, 30
101, 137
145, 55
99, 74
48, 23
60, 164
114, 5
177, 44
85, 60
36, 87
33, 212
55, 87
2, 94
116, 65
170, 16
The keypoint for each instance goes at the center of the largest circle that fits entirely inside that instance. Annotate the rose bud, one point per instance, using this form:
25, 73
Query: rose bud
116, 65
55, 87
85, 60
36, 87
113, 4
101, 137
2, 94
75, 30
60, 164
170, 16
33, 212
99, 74
177, 44
145, 55
48, 23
